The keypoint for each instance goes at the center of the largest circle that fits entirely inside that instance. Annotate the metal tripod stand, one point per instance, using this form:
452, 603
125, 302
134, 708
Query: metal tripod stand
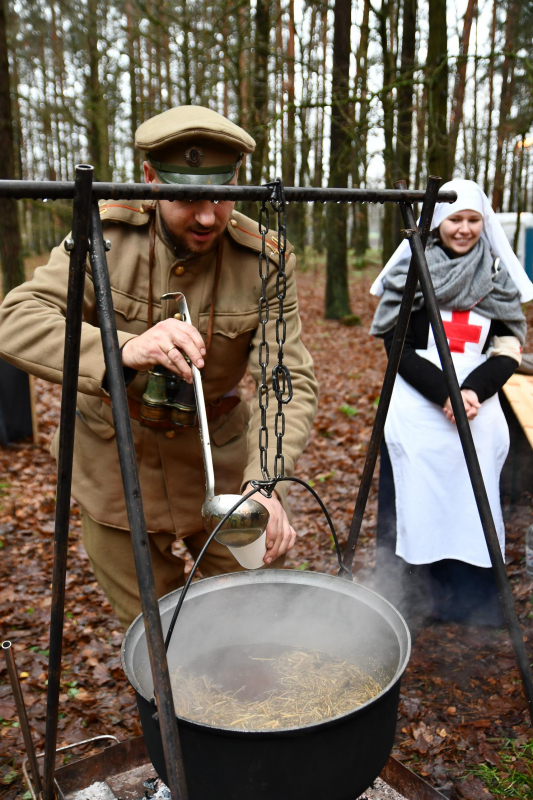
87, 237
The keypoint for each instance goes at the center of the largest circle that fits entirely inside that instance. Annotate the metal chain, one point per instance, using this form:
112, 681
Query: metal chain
281, 377
264, 313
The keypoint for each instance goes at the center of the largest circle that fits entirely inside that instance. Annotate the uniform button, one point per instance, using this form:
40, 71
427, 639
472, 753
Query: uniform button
170, 434
179, 271
177, 316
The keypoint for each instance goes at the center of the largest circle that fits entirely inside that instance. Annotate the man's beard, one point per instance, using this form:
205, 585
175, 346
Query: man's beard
184, 249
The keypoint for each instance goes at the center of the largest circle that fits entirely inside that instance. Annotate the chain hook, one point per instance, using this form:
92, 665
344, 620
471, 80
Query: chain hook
266, 488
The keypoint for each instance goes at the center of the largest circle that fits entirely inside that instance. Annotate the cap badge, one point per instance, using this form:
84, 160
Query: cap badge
194, 157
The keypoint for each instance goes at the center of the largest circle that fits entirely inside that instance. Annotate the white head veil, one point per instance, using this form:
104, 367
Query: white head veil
469, 197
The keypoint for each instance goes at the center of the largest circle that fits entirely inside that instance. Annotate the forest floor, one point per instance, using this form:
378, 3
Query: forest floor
463, 718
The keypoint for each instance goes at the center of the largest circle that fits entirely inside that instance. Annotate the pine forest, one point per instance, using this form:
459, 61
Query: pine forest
342, 93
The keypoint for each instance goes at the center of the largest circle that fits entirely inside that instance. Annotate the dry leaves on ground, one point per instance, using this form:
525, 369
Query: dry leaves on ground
461, 696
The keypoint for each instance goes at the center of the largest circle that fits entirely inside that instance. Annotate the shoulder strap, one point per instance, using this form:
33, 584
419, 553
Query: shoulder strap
151, 259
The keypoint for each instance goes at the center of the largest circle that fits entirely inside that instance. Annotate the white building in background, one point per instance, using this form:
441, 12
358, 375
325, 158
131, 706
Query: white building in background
525, 237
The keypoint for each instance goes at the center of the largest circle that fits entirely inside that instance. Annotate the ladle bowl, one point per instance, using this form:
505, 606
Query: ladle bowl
333, 759
244, 526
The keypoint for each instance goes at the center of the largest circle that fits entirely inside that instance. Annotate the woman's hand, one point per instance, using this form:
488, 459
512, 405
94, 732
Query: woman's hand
472, 405
280, 533
162, 344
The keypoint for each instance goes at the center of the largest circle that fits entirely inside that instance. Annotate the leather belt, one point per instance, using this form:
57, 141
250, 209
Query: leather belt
214, 410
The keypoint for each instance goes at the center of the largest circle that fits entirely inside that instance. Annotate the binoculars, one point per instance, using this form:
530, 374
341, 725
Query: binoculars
168, 397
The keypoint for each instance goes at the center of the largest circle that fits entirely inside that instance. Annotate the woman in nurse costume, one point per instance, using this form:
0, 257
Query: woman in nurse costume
427, 515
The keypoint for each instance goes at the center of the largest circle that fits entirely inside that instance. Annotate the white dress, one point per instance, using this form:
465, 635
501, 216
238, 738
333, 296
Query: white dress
436, 512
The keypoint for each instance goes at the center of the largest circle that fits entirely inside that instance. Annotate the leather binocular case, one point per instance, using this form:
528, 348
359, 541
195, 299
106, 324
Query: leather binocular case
168, 399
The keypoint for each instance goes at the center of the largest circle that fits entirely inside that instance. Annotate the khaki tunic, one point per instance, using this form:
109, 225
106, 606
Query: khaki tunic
171, 471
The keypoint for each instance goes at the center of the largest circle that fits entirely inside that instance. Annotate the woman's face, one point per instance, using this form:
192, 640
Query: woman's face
460, 231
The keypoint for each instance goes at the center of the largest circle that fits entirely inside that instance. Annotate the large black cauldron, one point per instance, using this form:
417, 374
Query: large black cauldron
332, 760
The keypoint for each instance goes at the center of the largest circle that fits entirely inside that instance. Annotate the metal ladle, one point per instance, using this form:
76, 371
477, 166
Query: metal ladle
248, 522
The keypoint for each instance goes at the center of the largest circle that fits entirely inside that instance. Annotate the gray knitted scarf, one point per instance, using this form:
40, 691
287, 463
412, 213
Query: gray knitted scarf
461, 284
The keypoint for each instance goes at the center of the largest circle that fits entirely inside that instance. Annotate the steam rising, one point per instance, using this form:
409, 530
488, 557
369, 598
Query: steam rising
290, 689
266, 614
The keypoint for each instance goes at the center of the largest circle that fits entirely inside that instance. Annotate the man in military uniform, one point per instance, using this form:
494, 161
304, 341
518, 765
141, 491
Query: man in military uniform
209, 252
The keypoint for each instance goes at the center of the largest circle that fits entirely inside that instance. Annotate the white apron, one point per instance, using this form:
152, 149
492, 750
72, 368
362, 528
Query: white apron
436, 512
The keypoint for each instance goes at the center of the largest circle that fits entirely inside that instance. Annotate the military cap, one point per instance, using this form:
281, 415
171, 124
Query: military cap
193, 145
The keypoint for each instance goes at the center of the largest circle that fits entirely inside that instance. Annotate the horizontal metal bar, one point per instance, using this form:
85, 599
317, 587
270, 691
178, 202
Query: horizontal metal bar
64, 190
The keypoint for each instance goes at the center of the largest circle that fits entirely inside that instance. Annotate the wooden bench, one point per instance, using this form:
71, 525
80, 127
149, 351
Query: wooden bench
517, 403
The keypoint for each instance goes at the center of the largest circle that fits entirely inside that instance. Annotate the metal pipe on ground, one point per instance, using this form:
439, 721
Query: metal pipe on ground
76, 285
134, 506
21, 711
63, 190
469, 449
393, 364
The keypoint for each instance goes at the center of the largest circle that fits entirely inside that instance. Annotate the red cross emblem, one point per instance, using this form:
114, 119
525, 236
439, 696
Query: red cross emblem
459, 331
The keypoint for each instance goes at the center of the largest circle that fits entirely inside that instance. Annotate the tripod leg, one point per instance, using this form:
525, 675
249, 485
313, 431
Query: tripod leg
76, 284
132, 492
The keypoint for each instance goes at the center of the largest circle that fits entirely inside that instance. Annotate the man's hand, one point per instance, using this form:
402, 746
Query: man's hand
162, 344
472, 405
280, 533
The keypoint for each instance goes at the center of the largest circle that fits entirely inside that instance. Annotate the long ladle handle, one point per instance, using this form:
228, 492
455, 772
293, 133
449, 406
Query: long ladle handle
200, 402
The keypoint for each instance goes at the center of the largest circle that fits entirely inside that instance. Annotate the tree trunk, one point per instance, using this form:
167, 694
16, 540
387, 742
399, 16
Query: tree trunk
460, 81
404, 100
243, 27
167, 54
421, 119
279, 86
18, 139
289, 144
289, 157
97, 131
519, 192
360, 134
437, 77
58, 90
318, 175
405, 90
491, 97
46, 115
337, 296
305, 145
474, 168
389, 76
131, 34
10, 245
525, 204
186, 29
157, 65
259, 127
504, 124
512, 182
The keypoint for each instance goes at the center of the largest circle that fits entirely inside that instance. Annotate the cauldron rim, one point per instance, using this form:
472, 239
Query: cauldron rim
305, 577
